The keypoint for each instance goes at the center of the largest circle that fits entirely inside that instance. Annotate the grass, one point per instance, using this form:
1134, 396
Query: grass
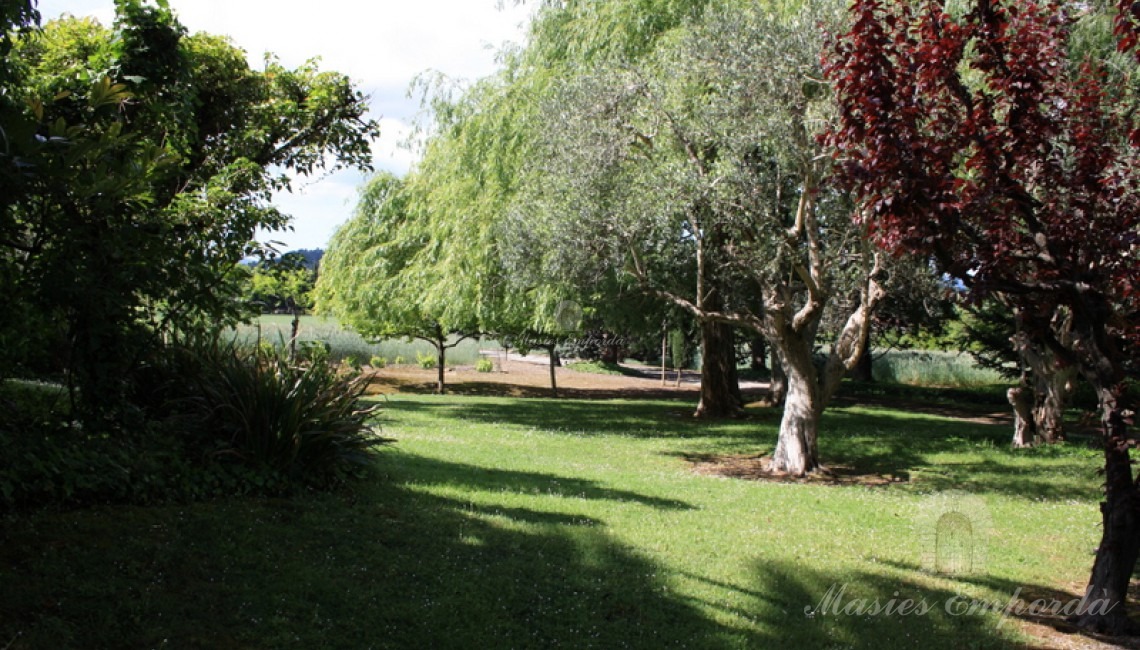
533, 523
932, 368
343, 343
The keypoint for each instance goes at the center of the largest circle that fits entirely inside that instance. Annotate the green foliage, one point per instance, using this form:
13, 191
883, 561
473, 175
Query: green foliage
426, 361
484, 365
147, 159
680, 348
933, 368
356, 362
284, 284
317, 352
399, 360
302, 421
378, 361
596, 367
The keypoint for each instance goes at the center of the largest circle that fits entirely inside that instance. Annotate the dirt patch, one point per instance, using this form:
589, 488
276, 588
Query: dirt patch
519, 377
758, 467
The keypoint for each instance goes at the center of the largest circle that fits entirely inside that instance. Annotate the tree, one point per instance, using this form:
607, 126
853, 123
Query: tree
375, 276
284, 284
140, 196
976, 138
705, 157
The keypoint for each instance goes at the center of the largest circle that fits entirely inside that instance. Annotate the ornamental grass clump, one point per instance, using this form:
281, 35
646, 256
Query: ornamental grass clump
305, 421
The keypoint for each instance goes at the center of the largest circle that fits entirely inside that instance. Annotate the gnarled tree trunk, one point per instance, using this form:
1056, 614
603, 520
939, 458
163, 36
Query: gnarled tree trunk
797, 448
1024, 432
1103, 607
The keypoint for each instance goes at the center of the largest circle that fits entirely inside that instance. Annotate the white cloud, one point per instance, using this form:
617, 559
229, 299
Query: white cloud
381, 45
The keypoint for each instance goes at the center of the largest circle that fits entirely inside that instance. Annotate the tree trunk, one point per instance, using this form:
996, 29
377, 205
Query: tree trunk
440, 364
552, 353
778, 386
1103, 607
758, 349
294, 330
864, 368
720, 387
610, 354
1023, 426
797, 449
1052, 390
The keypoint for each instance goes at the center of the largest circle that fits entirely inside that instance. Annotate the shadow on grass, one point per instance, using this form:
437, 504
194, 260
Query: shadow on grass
634, 418
471, 477
932, 453
810, 607
397, 566
391, 567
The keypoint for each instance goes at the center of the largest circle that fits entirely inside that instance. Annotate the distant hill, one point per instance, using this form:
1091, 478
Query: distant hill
312, 256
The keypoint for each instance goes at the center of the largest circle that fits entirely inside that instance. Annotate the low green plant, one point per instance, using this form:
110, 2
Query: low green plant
354, 361
399, 360
933, 368
426, 361
315, 352
596, 367
304, 420
484, 365
377, 361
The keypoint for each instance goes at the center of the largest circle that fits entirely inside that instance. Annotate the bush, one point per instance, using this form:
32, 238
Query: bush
426, 361
484, 365
314, 352
399, 360
377, 361
303, 421
354, 361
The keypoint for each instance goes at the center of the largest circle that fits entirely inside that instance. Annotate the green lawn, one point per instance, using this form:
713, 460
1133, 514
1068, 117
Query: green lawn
531, 523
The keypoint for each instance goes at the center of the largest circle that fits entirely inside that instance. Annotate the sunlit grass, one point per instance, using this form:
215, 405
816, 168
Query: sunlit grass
533, 523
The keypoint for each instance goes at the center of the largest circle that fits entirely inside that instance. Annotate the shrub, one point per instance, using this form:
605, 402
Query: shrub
313, 352
377, 361
354, 361
426, 361
399, 360
484, 365
302, 420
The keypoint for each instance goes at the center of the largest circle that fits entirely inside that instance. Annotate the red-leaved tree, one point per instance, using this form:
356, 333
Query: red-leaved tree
976, 139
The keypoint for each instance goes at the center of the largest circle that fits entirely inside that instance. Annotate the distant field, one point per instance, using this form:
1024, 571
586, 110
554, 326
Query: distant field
344, 343
933, 368
914, 367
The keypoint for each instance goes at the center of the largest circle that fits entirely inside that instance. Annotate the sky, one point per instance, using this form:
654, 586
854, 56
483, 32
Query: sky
381, 45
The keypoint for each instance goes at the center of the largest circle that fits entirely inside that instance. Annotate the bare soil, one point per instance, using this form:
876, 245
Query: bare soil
519, 376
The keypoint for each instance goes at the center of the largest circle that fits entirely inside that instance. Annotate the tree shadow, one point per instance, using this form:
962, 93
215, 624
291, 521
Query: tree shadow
862, 446
808, 607
394, 565
432, 471
589, 418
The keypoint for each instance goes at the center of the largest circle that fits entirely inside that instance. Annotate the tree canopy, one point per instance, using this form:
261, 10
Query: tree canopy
145, 162
975, 137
